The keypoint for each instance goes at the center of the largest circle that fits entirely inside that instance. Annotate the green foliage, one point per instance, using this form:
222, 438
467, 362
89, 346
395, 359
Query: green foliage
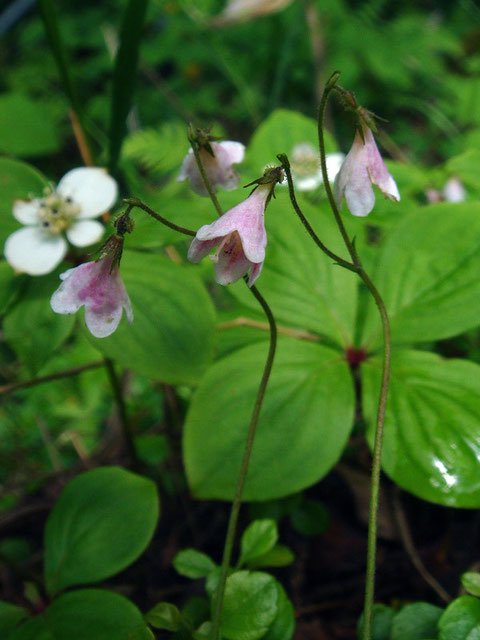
171, 338
158, 150
416, 621
193, 564
471, 583
382, 622
461, 620
102, 522
431, 425
311, 379
91, 613
164, 616
10, 616
258, 539
310, 518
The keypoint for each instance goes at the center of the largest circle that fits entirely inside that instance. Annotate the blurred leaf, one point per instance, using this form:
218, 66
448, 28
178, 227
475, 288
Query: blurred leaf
85, 614
279, 556
311, 379
471, 583
27, 127
193, 564
465, 167
158, 150
258, 538
124, 75
10, 286
250, 605
152, 448
31, 328
460, 620
311, 518
172, 334
283, 625
164, 616
416, 621
431, 445
382, 622
17, 181
428, 276
103, 520
10, 616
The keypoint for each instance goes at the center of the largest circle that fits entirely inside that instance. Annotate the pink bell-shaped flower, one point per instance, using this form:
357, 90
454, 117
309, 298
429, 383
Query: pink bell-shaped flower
362, 168
218, 167
241, 238
99, 287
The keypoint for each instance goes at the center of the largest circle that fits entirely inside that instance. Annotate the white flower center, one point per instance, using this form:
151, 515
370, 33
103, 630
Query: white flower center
56, 214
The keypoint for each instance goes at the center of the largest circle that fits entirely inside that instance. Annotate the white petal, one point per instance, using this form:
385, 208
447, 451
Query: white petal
101, 324
334, 162
85, 232
91, 188
308, 183
360, 198
26, 211
235, 150
31, 250
454, 191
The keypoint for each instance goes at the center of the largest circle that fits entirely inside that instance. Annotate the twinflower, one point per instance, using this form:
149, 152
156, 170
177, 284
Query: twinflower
217, 159
362, 168
99, 287
81, 194
306, 169
240, 238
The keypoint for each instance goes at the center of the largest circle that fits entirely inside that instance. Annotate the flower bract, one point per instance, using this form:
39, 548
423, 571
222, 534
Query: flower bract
81, 194
218, 167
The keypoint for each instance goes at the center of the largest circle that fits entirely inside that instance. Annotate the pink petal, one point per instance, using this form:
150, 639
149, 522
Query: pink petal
377, 169
256, 270
199, 249
232, 263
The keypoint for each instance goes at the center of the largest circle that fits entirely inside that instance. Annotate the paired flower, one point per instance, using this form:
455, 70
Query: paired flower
241, 238
217, 159
306, 169
99, 287
362, 168
81, 194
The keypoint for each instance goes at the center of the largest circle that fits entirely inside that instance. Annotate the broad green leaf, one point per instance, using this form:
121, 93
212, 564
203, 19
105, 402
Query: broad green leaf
428, 275
303, 287
164, 616
464, 166
308, 405
18, 180
31, 328
471, 582
193, 564
283, 626
257, 539
250, 605
172, 334
10, 616
20, 130
281, 132
10, 286
431, 440
416, 621
86, 614
460, 620
382, 622
311, 518
103, 520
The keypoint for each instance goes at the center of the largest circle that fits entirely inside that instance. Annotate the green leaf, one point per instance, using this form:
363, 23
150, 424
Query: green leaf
10, 286
304, 422
158, 150
172, 334
257, 539
193, 564
31, 328
430, 445
250, 605
103, 520
311, 518
460, 619
280, 133
464, 166
164, 616
86, 614
279, 556
471, 583
20, 133
304, 288
18, 180
382, 622
428, 276
416, 621
10, 616
283, 625
124, 75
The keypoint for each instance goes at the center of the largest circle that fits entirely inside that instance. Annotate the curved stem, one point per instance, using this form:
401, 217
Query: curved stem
232, 523
206, 181
135, 202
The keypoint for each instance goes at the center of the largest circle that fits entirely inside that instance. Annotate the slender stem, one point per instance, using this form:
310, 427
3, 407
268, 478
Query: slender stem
23, 384
135, 202
291, 190
232, 523
122, 410
377, 448
206, 181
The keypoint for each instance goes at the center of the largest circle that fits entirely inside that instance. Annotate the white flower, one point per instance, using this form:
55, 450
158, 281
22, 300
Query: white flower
81, 194
454, 191
243, 10
218, 167
306, 169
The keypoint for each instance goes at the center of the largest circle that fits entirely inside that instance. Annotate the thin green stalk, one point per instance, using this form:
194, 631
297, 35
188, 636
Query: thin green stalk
24, 384
122, 410
377, 448
135, 202
232, 522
